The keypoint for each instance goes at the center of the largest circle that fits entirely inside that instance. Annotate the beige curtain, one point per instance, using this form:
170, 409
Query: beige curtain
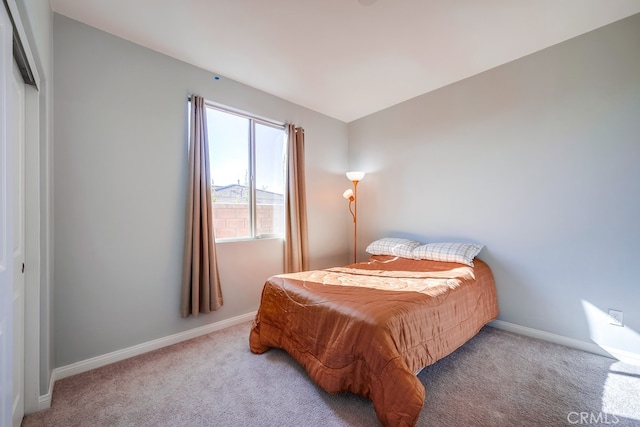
296, 252
201, 290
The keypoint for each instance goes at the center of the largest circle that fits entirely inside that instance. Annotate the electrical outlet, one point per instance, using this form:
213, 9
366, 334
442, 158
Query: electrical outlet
615, 317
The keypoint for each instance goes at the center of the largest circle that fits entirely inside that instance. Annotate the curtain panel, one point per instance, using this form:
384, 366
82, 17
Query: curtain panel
201, 291
296, 252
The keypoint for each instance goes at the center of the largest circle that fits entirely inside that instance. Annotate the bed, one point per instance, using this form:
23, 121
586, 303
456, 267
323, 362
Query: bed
369, 328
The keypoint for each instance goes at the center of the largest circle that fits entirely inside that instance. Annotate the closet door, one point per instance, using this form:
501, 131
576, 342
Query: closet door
6, 225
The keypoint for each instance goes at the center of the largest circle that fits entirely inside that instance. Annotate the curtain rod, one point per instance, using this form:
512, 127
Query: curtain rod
238, 112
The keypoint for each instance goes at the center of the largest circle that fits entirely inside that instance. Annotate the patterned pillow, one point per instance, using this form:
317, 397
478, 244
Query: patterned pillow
462, 253
393, 246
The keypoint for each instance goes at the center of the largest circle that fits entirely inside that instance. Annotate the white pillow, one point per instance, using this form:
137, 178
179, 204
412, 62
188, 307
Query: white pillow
462, 253
393, 246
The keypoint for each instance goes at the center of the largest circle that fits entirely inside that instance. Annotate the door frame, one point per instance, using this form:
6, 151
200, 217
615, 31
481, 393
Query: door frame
38, 251
6, 227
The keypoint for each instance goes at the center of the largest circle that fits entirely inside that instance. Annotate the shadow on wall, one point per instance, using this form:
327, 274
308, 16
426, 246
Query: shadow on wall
602, 332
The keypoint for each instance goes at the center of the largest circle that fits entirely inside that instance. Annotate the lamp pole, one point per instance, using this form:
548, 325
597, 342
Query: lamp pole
355, 221
352, 196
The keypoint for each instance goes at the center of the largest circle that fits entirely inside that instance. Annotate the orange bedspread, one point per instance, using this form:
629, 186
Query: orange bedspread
367, 328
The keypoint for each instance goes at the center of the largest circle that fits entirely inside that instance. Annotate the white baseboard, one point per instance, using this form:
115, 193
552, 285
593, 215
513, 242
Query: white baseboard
44, 402
622, 355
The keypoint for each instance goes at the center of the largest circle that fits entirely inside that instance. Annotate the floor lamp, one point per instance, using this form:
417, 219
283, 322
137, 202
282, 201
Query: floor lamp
352, 195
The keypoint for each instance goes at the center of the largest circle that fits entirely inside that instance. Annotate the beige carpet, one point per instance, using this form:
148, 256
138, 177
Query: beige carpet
496, 379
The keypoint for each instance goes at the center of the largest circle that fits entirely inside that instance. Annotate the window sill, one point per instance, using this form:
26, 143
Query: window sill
249, 239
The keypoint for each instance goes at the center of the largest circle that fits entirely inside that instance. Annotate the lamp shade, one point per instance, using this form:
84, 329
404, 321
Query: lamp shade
348, 194
355, 176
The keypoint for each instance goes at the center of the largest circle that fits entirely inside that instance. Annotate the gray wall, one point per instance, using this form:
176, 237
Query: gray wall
536, 159
120, 172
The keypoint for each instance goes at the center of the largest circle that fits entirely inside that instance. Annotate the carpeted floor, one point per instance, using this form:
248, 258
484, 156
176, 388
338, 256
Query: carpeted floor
496, 379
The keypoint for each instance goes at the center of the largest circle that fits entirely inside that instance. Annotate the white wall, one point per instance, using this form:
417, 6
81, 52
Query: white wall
536, 159
120, 181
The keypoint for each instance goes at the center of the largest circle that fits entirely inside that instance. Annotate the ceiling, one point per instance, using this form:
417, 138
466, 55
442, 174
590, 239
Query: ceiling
346, 58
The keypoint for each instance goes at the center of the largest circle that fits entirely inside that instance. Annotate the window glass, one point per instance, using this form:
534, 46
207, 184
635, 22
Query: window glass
230, 174
270, 176
248, 163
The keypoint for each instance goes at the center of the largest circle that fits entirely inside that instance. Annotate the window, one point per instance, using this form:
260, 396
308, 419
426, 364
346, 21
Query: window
248, 163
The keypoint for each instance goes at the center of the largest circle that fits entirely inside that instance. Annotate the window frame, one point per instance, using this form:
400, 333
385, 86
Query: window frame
253, 120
